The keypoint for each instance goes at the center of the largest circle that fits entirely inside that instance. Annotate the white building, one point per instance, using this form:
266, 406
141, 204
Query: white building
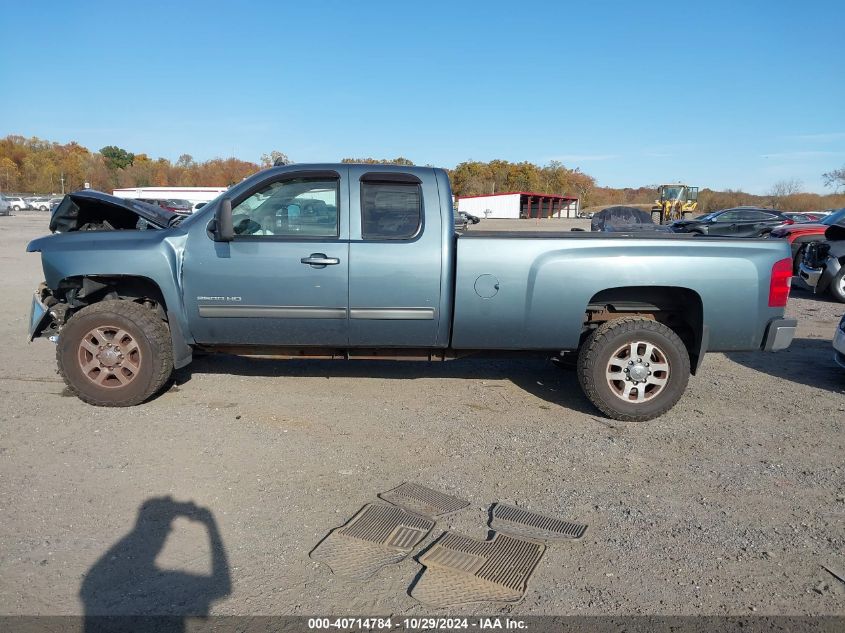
194, 195
519, 204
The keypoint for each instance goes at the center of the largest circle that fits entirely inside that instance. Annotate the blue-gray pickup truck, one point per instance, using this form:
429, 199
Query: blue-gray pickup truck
347, 261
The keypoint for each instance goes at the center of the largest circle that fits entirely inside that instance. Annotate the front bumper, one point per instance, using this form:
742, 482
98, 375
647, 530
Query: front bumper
39, 316
779, 334
839, 347
810, 276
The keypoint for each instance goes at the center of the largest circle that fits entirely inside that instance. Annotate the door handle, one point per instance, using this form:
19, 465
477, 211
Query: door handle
319, 260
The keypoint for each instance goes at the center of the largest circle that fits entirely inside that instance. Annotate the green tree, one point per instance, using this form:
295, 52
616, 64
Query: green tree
117, 157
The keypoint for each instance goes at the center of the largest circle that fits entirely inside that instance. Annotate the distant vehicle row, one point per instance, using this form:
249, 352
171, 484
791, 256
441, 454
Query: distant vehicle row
17, 203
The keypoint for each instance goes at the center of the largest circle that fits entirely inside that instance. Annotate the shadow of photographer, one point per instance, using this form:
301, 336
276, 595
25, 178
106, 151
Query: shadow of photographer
125, 587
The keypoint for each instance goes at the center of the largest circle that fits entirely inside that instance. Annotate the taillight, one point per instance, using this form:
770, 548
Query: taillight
780, 283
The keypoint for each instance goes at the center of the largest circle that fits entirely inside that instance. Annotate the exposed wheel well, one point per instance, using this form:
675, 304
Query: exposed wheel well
85, 290
680, 309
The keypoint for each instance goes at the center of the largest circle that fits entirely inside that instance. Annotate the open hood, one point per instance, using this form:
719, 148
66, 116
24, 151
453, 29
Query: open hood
835, 232
90, 210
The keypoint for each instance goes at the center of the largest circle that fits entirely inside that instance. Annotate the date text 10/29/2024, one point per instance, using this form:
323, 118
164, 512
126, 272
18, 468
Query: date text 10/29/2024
417, 623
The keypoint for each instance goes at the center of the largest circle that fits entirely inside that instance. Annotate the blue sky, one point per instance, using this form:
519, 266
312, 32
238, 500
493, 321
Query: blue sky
720, 94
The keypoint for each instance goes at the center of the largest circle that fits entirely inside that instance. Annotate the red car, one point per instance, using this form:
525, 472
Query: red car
802, 233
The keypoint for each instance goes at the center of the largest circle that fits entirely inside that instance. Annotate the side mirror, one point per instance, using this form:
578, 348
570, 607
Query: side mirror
224, 231
199, 205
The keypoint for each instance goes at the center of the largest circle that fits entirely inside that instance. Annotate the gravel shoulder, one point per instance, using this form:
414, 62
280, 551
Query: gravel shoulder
729, 504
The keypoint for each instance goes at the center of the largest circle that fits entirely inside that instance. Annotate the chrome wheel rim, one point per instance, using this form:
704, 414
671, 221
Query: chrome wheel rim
109, 357
637, 372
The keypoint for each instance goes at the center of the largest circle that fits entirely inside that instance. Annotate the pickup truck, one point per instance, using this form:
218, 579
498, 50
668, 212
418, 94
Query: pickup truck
346, 261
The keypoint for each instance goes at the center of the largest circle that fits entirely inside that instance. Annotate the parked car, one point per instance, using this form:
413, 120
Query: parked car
839, 343
800, 234
17, 203
41, 204
737, 222
823, 265
5, 206
464, 219
805, 217
622, 219
52, 203
386, 277
460, 222
183, 207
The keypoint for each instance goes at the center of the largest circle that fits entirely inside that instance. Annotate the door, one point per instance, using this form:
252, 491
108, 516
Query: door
756, 223
727, 224
283, 279
395, 257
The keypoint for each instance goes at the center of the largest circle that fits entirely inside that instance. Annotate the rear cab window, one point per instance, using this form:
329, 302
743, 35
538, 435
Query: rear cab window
391, 209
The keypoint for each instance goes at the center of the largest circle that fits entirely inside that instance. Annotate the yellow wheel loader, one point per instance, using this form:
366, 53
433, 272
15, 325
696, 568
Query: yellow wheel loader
676, 201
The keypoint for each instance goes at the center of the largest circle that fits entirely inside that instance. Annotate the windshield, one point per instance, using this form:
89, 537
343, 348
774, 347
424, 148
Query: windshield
672, 193
835, 218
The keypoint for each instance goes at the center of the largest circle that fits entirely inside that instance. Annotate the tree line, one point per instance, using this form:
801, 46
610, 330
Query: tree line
33, 165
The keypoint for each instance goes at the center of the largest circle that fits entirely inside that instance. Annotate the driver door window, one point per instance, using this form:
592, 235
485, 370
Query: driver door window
730, 216
300, 208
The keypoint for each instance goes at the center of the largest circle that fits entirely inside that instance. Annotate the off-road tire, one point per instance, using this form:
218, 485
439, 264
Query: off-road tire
836, 286
797, 259
149, 332
596, 353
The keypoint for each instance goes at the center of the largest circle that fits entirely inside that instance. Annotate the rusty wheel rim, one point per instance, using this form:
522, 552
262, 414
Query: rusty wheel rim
637, 372
109, 357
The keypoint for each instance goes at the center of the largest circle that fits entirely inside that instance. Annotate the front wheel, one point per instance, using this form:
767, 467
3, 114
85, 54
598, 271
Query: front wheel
114, 353
633, 369
837, 286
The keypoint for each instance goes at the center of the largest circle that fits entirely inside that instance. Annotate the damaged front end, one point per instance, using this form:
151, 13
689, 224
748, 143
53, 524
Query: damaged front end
91, 210
46, 314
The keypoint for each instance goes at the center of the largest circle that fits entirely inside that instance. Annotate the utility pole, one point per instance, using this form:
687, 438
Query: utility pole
63, 183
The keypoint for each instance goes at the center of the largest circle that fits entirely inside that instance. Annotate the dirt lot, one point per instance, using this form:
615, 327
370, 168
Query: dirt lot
729, 504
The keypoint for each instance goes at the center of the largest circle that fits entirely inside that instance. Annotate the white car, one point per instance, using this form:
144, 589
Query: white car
5, 207
17, 203
40, 204
839, 344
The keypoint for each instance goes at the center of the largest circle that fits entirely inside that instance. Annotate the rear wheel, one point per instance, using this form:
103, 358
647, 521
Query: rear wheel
633, 369
114, 353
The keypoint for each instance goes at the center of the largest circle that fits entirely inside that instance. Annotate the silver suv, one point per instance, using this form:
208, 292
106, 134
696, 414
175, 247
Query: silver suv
5, 205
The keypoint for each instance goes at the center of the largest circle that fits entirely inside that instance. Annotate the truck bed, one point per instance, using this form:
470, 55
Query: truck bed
530, 290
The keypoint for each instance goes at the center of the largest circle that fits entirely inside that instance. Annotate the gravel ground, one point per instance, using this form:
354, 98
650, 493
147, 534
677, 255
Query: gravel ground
729, 504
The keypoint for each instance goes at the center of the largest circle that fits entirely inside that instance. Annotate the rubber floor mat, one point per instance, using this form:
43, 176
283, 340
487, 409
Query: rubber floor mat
462, 570
519, 522
422, 500
377, 536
